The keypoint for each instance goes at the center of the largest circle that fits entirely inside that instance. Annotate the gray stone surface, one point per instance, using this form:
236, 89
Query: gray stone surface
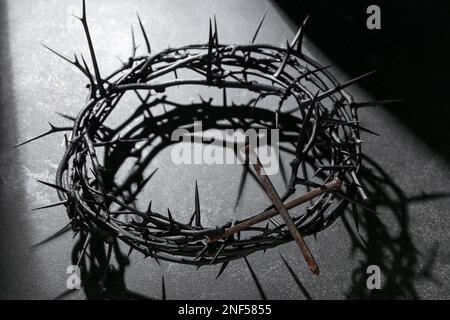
408, 239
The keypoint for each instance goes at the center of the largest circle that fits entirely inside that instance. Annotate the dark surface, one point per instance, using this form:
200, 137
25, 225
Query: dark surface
406, 166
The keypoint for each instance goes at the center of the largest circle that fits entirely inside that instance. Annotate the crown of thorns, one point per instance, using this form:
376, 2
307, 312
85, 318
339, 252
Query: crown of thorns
327, 138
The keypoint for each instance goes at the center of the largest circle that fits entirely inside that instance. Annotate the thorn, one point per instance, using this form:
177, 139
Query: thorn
344, 85
54, 186
200, 254
169, 214
66, 141
259, 26
302, 76
91, 49
222, 268
129, 252
54, 236
147, 43
298, 38
375, 103
65, 116
284, 62
224, 91
74, 62
218, 253
58, 54
89, 75
266, 230
351, 124
305, 122
210, 57
60, 203
157, 260
197, 207
149, 208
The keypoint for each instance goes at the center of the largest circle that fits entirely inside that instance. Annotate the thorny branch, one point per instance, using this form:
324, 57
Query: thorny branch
329, 134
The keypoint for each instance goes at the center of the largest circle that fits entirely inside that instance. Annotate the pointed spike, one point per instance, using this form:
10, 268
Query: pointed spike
344, 85
210, 56
218, 253
191, 219
305, 123
83, 9
225, 98
60, 203
302, 76
65, 116
142, 183
54, 186
129, 252
266, 230
66, 141
57, 234
200, 254
88, 73
222, 268
298, 38
87, 33
284, 62
375, 103
157, 260
149, 208
34, 138
259, 27
58, 54
197, 207
144, 34
169, 214
353, 201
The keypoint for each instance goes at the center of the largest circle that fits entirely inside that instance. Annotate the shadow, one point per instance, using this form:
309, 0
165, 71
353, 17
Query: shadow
385, 239
373, 236
102, 278
410, 54
255, 279
296, 279
12, 204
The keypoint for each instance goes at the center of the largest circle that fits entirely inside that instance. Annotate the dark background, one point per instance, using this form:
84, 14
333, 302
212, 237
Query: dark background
410, 53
